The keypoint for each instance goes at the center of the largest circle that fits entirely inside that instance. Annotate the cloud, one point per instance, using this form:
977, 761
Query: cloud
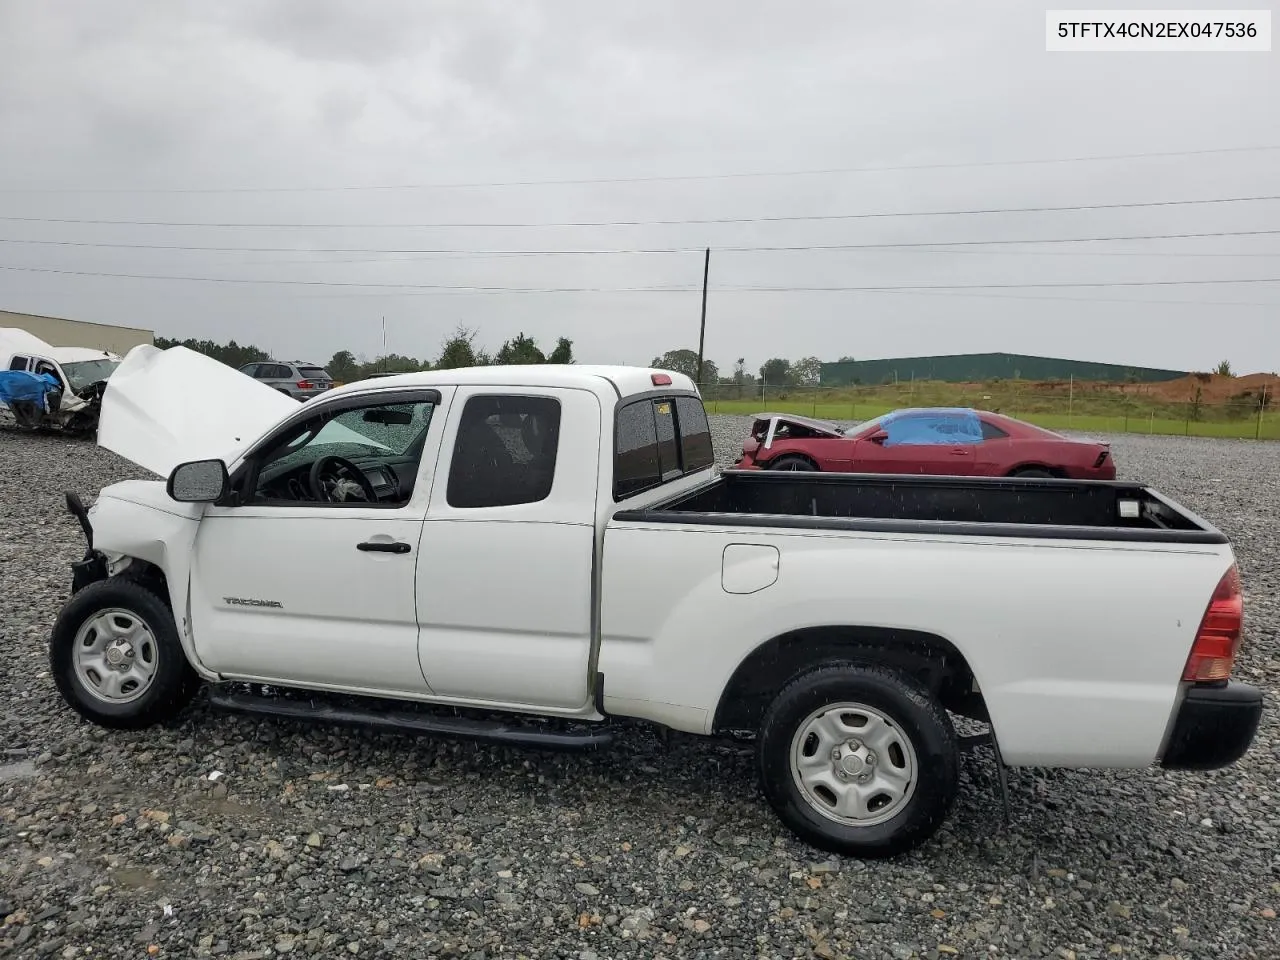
322, 93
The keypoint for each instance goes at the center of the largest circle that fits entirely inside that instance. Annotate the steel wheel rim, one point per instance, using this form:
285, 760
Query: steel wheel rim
116, 656
853, 764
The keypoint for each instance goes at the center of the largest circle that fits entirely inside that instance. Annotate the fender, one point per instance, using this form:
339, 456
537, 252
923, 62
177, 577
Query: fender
136, 520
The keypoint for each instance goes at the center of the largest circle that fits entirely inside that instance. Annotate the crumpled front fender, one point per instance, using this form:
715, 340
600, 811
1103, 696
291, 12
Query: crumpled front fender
136, 520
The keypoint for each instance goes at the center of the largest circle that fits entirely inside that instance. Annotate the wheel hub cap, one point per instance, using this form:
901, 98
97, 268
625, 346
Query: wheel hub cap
115, 655
119, 653
854, 760
854, 764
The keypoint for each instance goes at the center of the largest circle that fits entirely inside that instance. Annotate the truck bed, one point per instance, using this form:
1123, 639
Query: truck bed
971, 506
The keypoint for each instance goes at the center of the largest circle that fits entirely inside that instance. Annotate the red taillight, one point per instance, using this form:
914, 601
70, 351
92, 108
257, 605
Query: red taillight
661, 379
305, 385
1218, 639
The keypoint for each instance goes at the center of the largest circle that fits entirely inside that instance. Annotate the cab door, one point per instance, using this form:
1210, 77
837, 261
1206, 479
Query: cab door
322, 593
505, 583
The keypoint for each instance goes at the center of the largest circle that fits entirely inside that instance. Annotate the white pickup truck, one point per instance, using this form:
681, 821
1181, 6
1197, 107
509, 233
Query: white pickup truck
555, 541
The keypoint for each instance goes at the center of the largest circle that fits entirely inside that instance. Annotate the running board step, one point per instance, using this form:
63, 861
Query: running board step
464, 728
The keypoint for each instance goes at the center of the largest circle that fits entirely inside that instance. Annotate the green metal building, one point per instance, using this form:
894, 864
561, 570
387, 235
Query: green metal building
981, 367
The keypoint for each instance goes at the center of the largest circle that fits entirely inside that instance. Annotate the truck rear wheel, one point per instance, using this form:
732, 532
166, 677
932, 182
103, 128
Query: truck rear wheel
116, 657
859, 759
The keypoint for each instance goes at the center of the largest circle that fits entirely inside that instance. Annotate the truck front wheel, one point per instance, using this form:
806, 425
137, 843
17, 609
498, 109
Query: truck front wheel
116, 657
858, 759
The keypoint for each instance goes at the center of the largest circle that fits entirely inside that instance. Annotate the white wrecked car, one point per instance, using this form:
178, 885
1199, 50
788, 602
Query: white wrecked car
554, 542
46, 386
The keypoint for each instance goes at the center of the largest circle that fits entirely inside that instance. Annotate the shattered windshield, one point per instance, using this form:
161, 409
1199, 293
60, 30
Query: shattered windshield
407, 421
85, 372
387, 430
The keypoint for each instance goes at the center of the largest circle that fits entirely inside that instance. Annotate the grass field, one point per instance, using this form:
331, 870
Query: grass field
1212, 422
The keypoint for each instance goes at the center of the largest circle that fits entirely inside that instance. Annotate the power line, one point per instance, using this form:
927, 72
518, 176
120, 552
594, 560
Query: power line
1069, 284
667, 289
975, 243
742, 248
1158, 254
798, 218
1271, 305
342, 283
1052, 298
648, 179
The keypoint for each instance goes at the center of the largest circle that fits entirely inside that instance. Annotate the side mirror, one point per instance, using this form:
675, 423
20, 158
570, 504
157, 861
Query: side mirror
200, 481
880, 436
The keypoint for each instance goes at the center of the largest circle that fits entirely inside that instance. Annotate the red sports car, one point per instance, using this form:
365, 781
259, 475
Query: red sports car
953, 441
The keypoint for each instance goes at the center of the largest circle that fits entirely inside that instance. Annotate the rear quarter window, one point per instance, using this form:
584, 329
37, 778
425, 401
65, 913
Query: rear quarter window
658, 440
695, 434
635, 463
991, 432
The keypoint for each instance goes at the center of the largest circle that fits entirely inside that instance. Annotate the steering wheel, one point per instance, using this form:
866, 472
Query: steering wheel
329, 485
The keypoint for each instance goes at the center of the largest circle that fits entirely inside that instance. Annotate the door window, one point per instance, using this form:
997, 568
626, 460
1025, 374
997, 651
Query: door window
366, 455
18, 363
44, 366
505, 451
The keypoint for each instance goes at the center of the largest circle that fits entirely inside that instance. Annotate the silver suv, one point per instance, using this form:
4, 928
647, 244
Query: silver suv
300, 380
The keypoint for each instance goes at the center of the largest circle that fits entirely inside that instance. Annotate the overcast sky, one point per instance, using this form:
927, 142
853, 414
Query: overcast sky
222, 113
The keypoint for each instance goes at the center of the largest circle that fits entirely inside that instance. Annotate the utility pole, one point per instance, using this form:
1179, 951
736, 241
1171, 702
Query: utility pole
702, 330
384, 343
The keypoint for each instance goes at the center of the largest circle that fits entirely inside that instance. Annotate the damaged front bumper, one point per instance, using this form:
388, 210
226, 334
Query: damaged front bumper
93, 566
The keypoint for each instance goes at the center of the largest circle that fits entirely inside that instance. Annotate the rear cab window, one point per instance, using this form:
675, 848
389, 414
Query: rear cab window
657, 440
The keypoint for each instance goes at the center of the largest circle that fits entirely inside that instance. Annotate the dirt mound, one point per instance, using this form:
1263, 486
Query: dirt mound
1213, 387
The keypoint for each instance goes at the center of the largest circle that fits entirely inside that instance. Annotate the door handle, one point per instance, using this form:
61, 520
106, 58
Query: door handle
959, 452
383, 547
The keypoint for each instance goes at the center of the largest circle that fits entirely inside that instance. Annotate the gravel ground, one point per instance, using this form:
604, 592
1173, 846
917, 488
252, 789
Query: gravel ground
337, 843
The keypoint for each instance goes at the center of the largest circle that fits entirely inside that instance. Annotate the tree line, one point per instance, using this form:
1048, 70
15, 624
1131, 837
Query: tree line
458, 350
774, 372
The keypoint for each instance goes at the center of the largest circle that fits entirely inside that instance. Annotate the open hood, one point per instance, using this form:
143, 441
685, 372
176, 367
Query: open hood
165, 407
808, 426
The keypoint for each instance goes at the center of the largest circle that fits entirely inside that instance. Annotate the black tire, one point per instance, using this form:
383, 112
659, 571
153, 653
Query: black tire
173, 683
1032, 472
791, 462
912, 712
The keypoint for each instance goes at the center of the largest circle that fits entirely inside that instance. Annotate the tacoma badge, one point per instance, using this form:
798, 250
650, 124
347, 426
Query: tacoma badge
250, 602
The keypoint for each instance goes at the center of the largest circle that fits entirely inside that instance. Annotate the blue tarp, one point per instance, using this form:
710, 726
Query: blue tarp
32, 387
944, 425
